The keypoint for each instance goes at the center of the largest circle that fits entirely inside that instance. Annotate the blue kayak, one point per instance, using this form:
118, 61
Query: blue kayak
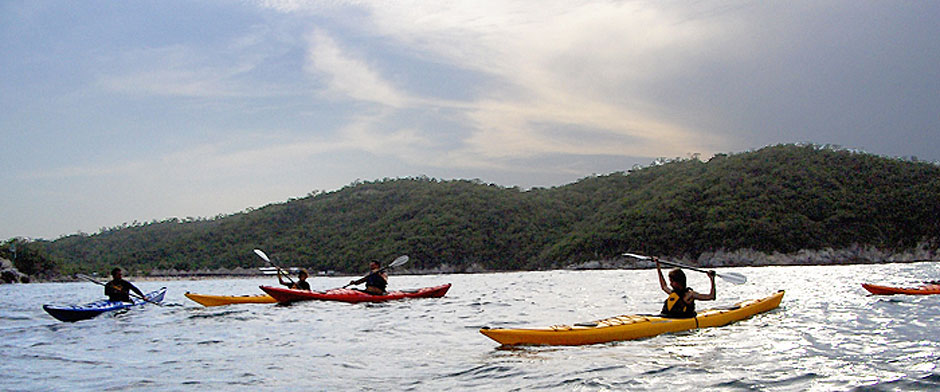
92, 309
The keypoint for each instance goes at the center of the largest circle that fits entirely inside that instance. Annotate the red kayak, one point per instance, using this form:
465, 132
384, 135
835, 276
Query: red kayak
284, 295
886, 290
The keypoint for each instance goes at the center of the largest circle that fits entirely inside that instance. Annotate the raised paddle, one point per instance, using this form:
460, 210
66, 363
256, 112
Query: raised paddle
279, 269
92, 280
395, 263
732, 277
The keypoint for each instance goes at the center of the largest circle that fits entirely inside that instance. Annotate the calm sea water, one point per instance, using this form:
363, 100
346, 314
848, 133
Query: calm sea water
828, 335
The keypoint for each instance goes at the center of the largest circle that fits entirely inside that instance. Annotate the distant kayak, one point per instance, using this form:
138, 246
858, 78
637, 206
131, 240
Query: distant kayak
220, 300
284, 295
887, 290
83, 312
629, 327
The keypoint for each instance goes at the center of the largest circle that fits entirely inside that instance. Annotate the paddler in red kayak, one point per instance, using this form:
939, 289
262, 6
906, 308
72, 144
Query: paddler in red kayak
681, 301
118, 289
300, 284
376, 281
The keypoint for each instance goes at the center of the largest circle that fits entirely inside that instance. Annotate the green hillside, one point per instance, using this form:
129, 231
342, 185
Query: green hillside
778, 199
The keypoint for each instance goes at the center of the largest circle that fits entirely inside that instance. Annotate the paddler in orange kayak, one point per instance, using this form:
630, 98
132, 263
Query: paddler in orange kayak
376, 281
681, 301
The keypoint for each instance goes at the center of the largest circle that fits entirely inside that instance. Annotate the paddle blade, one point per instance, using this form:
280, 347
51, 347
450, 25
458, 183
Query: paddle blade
636, 256
399, 261
733, 277
262, 255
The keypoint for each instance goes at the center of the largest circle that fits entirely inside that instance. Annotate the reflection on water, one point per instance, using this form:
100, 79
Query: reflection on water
828, 334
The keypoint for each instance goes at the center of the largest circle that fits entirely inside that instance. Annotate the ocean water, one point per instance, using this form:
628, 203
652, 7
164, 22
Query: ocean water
827, 335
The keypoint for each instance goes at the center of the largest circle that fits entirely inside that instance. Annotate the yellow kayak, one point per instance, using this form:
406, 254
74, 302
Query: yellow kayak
219, 300
629, 327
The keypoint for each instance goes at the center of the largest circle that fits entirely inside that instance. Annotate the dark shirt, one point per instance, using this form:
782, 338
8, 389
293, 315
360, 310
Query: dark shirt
118, 290
376, 280
299, 285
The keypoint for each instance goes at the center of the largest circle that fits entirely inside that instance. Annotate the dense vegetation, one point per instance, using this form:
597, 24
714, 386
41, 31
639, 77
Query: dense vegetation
778, 199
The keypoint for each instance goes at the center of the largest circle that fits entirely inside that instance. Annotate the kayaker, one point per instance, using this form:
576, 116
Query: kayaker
301, 283
376, 281
118, 289
681, 301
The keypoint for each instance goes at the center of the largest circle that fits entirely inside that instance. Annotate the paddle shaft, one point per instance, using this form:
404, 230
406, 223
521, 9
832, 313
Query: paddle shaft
681, 266
279, 269
378, 271
729, 276
92, 280
395, 263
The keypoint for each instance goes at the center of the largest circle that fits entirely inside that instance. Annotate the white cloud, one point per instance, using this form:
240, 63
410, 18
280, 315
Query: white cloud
564, 63
348, 76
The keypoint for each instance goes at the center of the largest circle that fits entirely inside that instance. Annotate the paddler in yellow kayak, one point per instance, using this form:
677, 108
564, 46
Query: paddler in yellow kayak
118, 289
300, 284
681, 301
376, 281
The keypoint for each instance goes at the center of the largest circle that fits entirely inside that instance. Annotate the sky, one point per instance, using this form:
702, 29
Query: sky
115, 112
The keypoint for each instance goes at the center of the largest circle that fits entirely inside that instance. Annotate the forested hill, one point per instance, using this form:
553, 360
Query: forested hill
778, 199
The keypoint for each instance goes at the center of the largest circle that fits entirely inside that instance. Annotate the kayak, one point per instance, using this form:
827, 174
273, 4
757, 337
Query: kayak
92, 309
628, 327
219, 300
284, 295
887, 290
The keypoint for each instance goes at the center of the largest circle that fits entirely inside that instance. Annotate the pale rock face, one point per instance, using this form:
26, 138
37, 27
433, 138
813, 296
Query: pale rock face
9, 273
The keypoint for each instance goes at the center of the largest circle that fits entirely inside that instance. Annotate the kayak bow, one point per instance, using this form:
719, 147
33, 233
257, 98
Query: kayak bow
887, 290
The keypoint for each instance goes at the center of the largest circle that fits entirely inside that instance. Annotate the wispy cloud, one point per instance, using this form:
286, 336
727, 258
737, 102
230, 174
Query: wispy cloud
558, 66
348, 76
234, 70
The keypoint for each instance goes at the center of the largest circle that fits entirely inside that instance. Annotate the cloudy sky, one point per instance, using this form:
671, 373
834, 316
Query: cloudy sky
123, 111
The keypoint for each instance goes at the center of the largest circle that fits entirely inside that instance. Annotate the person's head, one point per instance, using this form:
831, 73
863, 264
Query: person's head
116, 273
374, 265
677, 279
302, 274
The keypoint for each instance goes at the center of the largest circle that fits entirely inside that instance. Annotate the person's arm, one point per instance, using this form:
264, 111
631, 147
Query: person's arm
280, 279
662, 281
358, 281
136, 290
711, 294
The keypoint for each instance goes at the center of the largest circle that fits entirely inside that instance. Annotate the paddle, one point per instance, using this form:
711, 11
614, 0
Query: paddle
92, 280
279, 269
732, 277
395, 263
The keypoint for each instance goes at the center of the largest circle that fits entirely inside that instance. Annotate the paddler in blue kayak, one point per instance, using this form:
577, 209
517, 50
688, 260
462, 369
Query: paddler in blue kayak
681, 301
300, 284
376, 281
118, 289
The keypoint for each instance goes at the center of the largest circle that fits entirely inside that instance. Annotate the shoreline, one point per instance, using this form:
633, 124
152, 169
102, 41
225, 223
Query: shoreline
642, 265
851, 255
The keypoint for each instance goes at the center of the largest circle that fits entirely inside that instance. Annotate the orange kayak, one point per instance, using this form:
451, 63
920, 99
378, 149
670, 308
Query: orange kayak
628, 327
887, 290
220, 300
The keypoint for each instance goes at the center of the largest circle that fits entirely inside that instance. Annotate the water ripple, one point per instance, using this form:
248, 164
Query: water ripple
827, 335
